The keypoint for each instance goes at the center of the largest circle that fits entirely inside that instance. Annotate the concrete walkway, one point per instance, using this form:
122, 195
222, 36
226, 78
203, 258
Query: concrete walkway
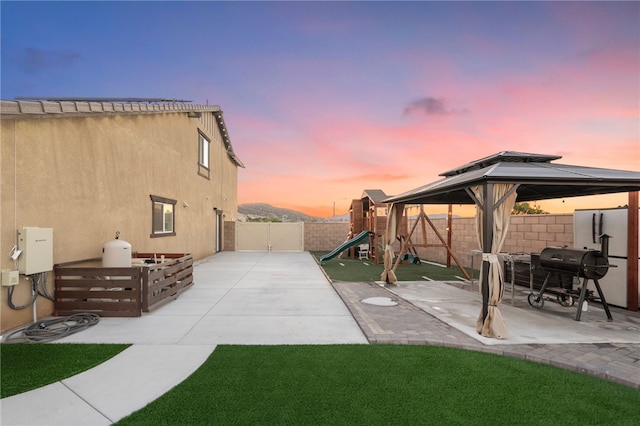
237, 298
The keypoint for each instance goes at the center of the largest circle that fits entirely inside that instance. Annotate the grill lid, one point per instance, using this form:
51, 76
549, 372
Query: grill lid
583, 263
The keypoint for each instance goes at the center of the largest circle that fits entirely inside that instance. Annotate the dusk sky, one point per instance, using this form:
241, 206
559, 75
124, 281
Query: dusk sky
325, 99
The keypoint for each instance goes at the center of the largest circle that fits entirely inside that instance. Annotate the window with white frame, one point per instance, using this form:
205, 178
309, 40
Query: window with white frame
204, 149
163, 216
204, 153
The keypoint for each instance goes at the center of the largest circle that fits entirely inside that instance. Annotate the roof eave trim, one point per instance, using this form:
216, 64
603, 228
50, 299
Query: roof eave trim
38, 109
226, 139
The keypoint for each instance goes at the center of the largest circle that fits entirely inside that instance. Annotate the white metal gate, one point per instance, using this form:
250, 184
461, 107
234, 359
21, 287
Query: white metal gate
269, 236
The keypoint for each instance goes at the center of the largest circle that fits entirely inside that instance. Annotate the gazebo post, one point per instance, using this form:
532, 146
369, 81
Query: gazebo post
487, 241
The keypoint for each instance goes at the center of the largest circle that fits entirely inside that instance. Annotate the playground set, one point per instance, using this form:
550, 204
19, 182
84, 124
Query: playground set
368, 224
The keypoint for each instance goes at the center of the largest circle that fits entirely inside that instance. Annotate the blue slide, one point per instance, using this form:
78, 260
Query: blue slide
358, 239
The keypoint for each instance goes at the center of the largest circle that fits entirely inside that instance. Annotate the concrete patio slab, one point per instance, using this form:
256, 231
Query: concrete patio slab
280, 301
146, 330
237, 298
552, 324
273, 330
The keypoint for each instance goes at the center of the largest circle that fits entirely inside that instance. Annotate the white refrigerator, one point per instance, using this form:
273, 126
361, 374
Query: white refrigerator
588, 225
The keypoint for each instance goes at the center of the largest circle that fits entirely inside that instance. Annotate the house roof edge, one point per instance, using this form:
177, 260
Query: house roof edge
12, 109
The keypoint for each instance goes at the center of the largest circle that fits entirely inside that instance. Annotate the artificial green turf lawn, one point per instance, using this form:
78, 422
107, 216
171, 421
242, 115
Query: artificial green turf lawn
354, 270
384, 385
27, 366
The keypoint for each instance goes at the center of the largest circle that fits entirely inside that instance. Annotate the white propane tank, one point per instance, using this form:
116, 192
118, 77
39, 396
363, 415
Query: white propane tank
116, 253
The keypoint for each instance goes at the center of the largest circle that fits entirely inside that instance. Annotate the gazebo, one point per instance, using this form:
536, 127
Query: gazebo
494, 184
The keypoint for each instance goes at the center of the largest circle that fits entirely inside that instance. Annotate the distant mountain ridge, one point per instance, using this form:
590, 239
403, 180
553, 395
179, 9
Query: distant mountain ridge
255, 210
264, 210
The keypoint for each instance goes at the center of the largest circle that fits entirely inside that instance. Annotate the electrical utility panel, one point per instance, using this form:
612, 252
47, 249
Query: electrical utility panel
37, 250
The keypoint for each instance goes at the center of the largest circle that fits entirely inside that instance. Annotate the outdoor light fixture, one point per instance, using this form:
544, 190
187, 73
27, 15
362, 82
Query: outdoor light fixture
194, 114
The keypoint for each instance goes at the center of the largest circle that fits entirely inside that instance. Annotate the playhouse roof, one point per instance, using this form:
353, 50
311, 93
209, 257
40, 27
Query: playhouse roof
377, 195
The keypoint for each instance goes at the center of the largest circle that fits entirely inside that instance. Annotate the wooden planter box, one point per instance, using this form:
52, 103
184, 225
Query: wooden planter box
165, 280
86, 286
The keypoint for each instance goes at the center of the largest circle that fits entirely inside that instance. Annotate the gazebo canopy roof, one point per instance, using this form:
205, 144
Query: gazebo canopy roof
537, 176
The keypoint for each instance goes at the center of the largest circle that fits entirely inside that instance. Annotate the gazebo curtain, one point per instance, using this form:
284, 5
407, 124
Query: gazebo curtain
394, 220
493, 325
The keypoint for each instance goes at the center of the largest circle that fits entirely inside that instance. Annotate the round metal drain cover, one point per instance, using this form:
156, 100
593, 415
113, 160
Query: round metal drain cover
379, 301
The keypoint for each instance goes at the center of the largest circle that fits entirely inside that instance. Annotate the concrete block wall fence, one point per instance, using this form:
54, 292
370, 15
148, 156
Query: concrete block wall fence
321, 236
527, 234
229, 241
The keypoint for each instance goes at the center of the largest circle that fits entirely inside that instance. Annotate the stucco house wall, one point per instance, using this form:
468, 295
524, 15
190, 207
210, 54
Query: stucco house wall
90, 173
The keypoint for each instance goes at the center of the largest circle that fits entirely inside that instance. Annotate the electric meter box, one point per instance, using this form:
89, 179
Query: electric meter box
37, 250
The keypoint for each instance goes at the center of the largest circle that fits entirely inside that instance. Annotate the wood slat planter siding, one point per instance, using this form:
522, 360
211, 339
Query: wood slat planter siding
108, 292
120, 292
164, 281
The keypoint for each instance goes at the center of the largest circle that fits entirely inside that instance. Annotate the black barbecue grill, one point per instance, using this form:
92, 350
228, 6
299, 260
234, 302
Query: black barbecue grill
583, 264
